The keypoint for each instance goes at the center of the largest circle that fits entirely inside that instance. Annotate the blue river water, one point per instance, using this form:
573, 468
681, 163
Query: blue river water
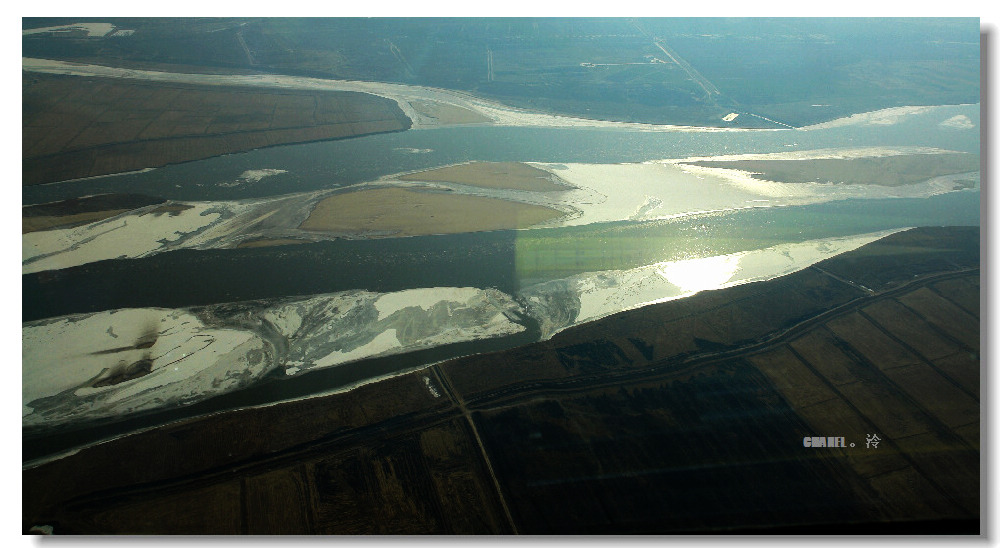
330, 164
529, 257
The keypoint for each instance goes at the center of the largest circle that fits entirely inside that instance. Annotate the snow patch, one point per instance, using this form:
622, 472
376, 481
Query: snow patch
389, 303
382, 343
129, 235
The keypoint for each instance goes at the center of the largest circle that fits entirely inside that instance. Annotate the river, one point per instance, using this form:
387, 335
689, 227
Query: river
514, 262
330, 164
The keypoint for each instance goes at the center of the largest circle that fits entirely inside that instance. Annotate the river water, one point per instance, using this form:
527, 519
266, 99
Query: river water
508, 260
516, 258
321, 165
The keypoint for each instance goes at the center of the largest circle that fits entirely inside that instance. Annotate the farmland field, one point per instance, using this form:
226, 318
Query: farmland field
75, 128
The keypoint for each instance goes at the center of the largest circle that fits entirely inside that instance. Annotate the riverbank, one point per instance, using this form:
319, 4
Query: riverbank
485, 196
404, 95
846, 354
78, 127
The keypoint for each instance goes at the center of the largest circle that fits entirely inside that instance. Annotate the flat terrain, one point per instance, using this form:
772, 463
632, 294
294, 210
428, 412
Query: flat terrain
401, 212
32, 224
510, 175
885, 170
446, 114
80, 211
691, 71
687, 416
75, 127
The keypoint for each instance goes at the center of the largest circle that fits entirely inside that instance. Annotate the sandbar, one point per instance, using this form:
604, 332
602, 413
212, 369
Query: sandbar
889, 171
448, 114
508, 175
49, 222
402, 212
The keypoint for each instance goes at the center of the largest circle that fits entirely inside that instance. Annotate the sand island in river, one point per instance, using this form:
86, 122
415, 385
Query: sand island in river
404, 212
509, 175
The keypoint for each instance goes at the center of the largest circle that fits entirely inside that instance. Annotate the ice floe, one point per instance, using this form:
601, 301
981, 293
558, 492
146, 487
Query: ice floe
251, 176
960, 121
255, 175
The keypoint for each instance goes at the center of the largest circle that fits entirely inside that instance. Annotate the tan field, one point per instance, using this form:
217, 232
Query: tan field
80, 211
404, 212
48, 222
512, 175
76, 127
446, 114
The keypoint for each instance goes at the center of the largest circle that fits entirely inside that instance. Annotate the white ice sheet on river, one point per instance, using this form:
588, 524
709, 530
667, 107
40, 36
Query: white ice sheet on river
151, 229
653, 190
198, 353
338, 328
106, 364
599, 294
64, 358
666, 189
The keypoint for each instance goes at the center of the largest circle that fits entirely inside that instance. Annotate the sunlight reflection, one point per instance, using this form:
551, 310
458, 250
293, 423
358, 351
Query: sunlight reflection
700, 274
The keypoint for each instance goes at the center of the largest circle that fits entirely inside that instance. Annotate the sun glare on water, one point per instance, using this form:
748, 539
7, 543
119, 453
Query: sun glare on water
700, 274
